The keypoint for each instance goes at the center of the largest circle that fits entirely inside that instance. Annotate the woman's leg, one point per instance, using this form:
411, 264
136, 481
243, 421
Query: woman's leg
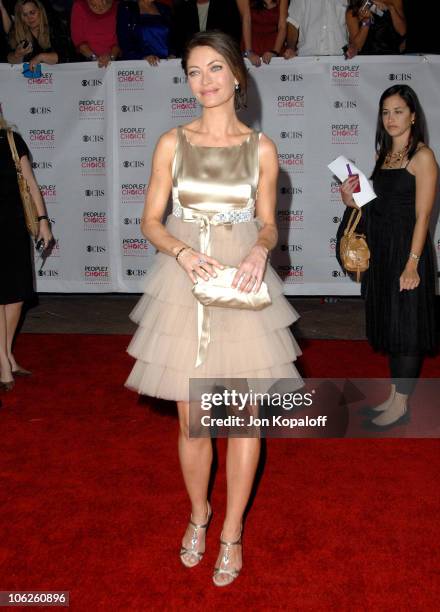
241, 464
195, 456
13, 313
5, 366
405, 369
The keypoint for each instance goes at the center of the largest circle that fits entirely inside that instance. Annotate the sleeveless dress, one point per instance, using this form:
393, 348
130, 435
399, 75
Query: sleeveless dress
264, 28
214, 193
398, 322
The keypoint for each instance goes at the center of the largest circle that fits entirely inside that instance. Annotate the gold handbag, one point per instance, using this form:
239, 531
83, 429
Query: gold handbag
29, 206
218, 291
353, 250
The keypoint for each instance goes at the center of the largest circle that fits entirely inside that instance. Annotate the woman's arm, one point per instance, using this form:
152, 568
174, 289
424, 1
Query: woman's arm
281, 35
45, 231
357, 33
251, 270
424, 167
397, 14
246, 28
6, 20
156, 200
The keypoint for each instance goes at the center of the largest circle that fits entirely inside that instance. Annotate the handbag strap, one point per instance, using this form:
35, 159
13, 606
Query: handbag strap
14, 151
352, 224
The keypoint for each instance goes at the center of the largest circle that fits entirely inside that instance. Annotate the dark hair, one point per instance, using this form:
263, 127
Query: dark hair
229, 49
354, 6
418, 128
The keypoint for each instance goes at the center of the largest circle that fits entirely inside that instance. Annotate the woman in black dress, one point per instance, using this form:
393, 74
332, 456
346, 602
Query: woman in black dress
16, 275
399, 287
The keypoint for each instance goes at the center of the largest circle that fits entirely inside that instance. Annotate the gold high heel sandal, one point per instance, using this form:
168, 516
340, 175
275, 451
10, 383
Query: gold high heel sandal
191, 551
224, 569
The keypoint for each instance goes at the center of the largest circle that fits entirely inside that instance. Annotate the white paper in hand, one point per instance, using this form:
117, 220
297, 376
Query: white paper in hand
339, 168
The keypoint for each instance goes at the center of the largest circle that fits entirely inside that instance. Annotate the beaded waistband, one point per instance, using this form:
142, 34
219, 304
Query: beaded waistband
229, 216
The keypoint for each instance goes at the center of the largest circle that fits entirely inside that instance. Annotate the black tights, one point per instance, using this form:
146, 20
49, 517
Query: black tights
405, 369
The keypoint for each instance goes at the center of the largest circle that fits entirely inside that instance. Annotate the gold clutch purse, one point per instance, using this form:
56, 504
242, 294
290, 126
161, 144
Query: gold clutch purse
219, 292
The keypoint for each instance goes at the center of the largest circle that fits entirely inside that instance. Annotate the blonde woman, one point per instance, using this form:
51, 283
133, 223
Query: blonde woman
34, 39
15, 259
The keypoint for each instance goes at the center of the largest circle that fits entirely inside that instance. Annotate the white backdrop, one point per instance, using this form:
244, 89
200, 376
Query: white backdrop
92, 133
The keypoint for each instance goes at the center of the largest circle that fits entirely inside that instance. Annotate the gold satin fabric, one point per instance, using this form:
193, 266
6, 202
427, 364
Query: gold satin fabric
208, 181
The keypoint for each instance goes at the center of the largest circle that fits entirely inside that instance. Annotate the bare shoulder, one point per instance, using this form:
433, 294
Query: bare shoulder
423, 159
268, 148
167, 142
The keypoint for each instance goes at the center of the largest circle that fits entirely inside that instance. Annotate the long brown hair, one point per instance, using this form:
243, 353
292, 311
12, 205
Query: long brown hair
21, 31
228, 48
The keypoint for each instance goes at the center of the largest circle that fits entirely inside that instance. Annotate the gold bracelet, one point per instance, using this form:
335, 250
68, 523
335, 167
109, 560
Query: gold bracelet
184, 248
414, 256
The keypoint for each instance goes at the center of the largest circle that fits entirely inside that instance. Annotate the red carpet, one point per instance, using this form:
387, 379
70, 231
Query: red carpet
92, 499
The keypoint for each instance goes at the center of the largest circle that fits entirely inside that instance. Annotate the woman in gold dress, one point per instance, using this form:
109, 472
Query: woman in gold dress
223, 179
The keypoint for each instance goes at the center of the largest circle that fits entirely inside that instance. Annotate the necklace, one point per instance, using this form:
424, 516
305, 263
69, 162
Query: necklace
393, 159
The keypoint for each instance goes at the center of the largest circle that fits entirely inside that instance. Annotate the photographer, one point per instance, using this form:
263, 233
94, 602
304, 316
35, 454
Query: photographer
376, 28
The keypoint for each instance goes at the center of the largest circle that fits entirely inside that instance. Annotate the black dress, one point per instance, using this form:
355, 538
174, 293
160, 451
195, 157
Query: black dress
398, 322
16, 276
382, 38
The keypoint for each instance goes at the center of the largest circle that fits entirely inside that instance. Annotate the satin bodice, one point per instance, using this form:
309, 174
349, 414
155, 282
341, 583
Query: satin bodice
215, 180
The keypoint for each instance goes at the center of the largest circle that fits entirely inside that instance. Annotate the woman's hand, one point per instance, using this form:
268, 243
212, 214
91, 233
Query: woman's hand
21, 50
347, 190
250, 273
267, 56
104, 60
409, 279
254, 58
365, 14
153, 60
198, 264
289, 53
45, 233
33, 63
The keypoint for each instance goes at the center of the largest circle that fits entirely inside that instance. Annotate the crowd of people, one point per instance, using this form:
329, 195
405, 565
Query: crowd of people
58, 31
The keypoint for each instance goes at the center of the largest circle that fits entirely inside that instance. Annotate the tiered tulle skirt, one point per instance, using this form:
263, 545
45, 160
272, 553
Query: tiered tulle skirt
244, 343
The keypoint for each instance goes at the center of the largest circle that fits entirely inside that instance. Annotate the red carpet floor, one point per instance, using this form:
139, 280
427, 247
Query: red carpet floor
92, 499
